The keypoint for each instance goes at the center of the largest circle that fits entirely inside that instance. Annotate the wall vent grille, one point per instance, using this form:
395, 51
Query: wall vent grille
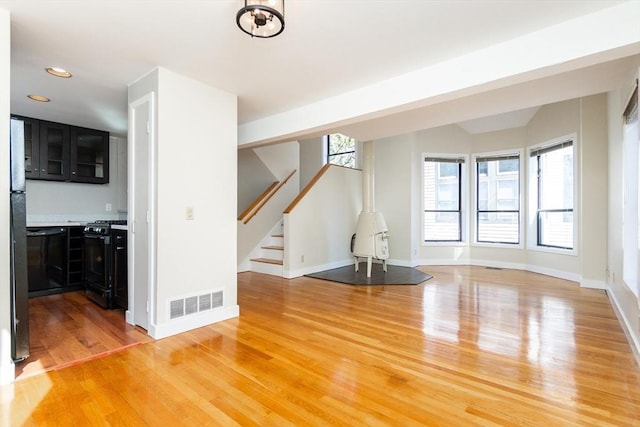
195, 304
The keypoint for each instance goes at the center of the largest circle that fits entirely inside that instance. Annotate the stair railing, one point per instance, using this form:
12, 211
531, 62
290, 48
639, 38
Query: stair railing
262, 199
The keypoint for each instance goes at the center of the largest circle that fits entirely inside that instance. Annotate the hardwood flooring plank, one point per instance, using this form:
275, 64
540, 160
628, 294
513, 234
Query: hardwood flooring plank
472, 346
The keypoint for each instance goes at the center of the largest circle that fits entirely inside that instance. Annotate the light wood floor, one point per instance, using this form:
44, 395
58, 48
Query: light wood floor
472, 346
68, 328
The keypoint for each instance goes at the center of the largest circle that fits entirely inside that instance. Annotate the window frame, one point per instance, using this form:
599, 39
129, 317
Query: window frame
497, 156
533, 230
463, 162
328, 155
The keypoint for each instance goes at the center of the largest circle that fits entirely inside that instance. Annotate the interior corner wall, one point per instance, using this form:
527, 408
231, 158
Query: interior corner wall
253, 178
550, 122
393, 196
6, 364
625, 302
311, 159
281, 159
593, 197
196, 170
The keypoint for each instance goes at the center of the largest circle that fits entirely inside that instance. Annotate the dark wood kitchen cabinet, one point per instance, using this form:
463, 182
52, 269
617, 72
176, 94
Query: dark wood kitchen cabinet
75, 260
54, 151
120, 284
31, 147
61, 152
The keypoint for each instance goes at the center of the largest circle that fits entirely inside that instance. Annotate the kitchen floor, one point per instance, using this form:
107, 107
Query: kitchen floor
67, 329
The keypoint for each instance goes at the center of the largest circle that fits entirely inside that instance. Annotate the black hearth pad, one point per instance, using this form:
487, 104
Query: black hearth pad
394, 276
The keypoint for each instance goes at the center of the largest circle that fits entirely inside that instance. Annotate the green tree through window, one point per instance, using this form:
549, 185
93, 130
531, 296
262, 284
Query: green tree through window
341, 150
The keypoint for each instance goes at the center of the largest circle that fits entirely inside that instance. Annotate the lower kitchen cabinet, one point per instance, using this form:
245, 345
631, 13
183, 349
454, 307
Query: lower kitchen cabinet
75, 253
54, 260
120, 284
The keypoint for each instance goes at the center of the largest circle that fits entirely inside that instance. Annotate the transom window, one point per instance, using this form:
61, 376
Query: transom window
442, 192
498, 199
341, 150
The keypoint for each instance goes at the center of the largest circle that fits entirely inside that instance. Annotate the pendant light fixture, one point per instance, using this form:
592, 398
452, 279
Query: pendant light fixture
261, 18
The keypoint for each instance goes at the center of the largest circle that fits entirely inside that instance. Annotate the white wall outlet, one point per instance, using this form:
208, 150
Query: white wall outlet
301, 258
189, 213
107, 207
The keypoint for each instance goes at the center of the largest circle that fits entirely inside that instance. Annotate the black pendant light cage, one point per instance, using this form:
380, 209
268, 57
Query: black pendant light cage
261, 18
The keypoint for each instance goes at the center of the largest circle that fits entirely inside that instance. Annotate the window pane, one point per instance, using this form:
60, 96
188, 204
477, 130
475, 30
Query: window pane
339, 143
441, 182
498, 189
442, 226
500, 227
511, 165
448, 170
348, 160
555, 229
556, 179
341, 150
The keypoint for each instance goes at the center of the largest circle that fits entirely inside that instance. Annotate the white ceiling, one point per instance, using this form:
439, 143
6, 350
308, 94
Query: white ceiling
327, 48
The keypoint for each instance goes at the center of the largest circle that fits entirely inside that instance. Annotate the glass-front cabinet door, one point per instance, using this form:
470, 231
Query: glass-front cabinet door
89, 155
54, 151
31, 147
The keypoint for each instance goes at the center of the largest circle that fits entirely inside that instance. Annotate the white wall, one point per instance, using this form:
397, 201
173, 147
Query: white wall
318, 230
62, 201
311, 159
281, 160
253, 178
6, 364
196, 167
625, 302
399, 191
395, 201
197, 161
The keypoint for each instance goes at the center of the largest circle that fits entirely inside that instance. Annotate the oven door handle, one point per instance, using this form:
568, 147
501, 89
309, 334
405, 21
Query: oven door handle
90, 236
51, 232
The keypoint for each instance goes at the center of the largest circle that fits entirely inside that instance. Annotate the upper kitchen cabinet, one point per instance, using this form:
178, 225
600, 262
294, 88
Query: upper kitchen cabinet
89, 155
31, 147
60, 152
54, 151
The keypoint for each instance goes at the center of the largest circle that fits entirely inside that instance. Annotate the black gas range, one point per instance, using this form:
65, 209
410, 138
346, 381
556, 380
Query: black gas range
100, 261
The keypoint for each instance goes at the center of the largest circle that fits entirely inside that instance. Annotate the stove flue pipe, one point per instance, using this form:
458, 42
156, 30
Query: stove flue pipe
368, 183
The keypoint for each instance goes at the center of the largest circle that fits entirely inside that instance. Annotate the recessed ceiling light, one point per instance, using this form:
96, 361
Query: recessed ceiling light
39, 98
58, 72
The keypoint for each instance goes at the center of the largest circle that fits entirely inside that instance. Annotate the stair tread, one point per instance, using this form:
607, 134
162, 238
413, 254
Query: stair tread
268, 260
277, 248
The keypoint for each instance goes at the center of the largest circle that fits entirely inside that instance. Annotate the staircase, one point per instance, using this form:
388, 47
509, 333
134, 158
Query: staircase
271, 253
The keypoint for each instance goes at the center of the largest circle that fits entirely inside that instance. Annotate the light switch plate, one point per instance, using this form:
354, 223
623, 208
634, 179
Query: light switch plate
189, 213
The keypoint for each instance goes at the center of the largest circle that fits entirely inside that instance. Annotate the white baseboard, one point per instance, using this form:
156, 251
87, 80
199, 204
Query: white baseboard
632, 338
516, 266
553, 273
593, 284
194, 321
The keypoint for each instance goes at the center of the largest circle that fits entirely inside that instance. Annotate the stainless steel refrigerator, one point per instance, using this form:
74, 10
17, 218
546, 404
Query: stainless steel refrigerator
19, 277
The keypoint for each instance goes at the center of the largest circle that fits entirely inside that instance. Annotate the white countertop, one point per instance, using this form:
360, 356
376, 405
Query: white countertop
57, 224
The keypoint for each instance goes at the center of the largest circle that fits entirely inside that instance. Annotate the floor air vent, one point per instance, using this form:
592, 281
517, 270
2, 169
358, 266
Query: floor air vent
493, 268
195, 304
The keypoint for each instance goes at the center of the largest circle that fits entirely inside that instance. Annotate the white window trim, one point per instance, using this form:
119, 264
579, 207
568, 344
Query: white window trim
522, 208
532, 185
464, 201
